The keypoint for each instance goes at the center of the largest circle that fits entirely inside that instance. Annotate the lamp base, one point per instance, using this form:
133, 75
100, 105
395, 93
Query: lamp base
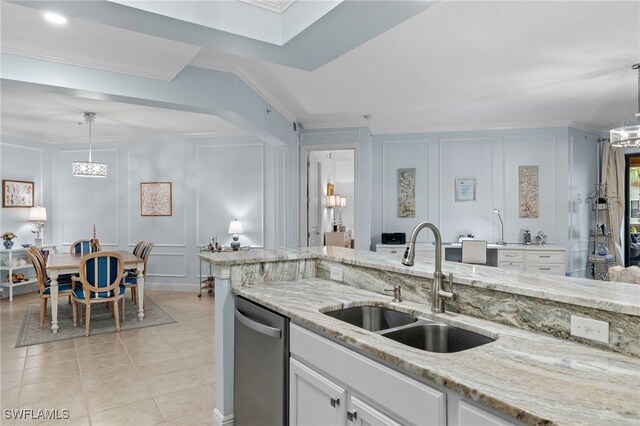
38, 242
235, 244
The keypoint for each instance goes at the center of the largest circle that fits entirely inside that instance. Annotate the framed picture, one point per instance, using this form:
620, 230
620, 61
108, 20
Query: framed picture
17, 193
407, 192
155, 199
635, 207
465, 190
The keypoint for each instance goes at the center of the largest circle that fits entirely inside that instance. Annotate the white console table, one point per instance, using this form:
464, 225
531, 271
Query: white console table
11, 261
547, 259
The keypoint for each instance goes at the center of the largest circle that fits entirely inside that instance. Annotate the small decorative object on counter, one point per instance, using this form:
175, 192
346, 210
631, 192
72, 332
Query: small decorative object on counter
7, 239
602, 250
541, 239
93, 242
462, 237
527, 237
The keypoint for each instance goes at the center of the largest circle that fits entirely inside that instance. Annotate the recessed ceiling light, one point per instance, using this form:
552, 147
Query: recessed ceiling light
55, 18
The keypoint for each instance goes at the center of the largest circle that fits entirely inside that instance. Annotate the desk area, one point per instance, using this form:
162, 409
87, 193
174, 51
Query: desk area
547, 259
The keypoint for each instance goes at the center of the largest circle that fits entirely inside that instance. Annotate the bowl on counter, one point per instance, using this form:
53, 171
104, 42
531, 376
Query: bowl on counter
26, 245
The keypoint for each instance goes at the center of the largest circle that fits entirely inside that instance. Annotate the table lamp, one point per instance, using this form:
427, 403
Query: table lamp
501, 242
38, 215
235, 228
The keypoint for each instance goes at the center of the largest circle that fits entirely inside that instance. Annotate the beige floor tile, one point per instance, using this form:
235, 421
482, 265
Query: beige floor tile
142, 341
54, 357
51, 371
140, 413
93, 375
142, 354
200, 358
11, 365
171, 382
51, 347
11, 380
8, 353
107, 383
74, 421
30, 394
75, 405
104, 361
197, 419
96, 339
186, 402
9, 398
155, 366
99, 401
85, 351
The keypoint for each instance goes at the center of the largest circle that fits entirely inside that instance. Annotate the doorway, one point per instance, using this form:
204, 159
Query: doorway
632, 210
323, 167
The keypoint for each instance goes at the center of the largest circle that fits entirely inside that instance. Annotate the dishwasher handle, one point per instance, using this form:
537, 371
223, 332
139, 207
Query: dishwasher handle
256, 326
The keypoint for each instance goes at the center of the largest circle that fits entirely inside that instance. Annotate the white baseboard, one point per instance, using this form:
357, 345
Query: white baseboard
220, 420
171, 287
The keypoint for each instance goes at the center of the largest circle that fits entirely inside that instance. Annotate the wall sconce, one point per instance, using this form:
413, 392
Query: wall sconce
38, 215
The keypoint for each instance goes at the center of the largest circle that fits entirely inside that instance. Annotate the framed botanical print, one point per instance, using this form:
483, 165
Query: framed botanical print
155, 199
17, 193
465, 190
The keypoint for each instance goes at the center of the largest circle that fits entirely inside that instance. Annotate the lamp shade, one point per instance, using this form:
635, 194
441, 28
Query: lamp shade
333, 201
38, 214
343, 201
235, 227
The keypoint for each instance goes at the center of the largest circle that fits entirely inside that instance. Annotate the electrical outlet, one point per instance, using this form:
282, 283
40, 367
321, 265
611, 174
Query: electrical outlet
336, 273
590, 329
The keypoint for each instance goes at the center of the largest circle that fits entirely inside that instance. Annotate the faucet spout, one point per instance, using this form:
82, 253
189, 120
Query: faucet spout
437, 293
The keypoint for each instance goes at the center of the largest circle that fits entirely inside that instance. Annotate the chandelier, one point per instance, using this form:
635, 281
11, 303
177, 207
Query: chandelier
89, 168
628, 136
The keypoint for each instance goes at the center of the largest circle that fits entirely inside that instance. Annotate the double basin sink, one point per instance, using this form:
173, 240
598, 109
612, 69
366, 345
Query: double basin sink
419, 333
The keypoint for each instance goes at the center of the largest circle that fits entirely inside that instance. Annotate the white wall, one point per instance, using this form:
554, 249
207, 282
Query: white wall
214, 180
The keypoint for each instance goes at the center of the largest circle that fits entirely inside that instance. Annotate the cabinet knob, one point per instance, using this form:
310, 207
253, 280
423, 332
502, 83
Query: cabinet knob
352, 415
335, 402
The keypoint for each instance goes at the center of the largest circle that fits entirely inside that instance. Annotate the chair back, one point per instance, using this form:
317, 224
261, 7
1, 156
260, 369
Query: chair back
39, 265
84, 247
101, 272
474, 251
146, 251
138, 248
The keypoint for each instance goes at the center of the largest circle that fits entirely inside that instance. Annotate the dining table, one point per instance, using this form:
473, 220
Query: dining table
67, 263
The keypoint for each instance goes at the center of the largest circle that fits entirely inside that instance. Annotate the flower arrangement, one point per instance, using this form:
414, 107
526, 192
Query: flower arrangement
94, 241
8, 236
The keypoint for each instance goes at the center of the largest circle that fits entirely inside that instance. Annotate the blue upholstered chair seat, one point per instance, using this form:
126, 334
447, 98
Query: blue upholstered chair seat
79, 293
61, 287
131, 279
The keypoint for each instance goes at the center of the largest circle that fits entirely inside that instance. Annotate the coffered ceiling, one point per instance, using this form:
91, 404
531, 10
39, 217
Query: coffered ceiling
448, 65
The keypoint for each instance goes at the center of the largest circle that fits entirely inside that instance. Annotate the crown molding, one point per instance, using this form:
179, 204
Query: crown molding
59, 140
70, 57
273, 6
252, 81
586, 128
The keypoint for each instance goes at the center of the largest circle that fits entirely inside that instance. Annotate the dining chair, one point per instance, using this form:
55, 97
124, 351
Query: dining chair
100, 281
131, 279
44, 287
84, 247
474, 251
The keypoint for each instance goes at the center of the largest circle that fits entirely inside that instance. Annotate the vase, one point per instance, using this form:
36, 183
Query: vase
7, 244
602, 250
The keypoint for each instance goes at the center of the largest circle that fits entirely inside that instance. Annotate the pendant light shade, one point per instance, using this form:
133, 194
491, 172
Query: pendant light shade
628, 136
89, 168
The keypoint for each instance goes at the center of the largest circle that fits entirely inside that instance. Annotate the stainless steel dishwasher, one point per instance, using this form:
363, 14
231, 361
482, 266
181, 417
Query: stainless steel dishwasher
261, 366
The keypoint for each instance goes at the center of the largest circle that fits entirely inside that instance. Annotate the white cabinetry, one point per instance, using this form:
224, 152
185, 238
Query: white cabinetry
511, 259
314, 399
470, 415
16, 261
548, 261
373, 393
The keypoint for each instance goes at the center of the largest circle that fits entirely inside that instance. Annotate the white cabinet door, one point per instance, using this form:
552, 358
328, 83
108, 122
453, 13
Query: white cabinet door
362, 414
314, 400
470, 415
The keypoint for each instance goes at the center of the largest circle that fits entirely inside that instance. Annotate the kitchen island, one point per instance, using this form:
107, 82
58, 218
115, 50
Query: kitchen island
526, 376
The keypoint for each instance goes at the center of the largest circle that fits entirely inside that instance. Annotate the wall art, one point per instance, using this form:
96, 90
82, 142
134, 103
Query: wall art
17, 193
529, 192
407, 192
155, 199
465, 190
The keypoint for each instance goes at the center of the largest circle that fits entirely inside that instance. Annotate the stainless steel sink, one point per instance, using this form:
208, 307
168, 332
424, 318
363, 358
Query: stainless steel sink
437, 337
372, 318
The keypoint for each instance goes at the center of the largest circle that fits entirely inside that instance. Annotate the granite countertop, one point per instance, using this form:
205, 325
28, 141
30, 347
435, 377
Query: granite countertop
614, 297
532, 377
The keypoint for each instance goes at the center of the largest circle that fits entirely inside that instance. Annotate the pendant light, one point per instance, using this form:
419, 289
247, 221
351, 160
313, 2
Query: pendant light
628, 136
89, 168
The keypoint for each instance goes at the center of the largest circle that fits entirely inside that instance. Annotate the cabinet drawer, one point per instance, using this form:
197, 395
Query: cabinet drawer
470, 415
393, 250
545, 257
510, 255
512, 266
400, 395
550, 269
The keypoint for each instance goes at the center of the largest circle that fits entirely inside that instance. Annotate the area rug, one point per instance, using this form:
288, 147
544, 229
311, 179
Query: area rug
101, 322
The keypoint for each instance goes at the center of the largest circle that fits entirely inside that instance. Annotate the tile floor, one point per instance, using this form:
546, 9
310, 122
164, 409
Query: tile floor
149, 376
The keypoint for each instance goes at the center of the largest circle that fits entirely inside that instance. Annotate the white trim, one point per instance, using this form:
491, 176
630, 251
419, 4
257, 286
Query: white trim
220, 420
184, 265
41, 182
72, 57
270, 5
